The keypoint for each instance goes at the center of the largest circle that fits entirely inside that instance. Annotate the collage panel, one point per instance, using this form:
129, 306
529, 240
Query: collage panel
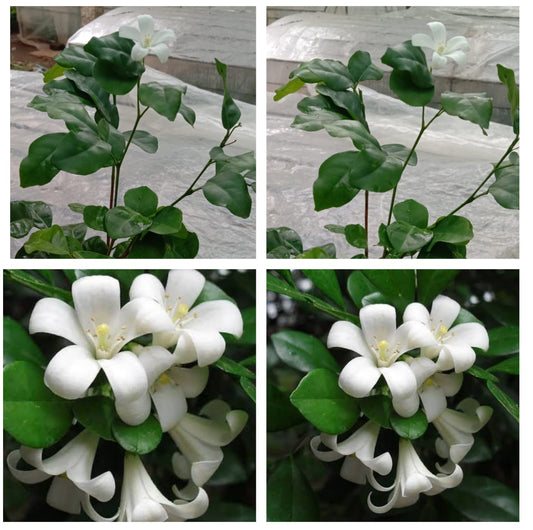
129, 395
393, 132
139, 139
392, 395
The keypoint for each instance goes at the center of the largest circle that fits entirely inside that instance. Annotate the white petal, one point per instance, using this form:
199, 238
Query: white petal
71, 371
54, 316
459, 57
146, 25
470, 333
406, 406
134, 411
180, 510
206, 346
126, 376
101, 487
155, 361
163, 35
456, 43
161, 51
97, 300
359, 376
354, 470
423, 368
438, 30
433, 400
411, 335
221, 315
325, 456
129, 32
458, 357
63, 495
400, 379
184, 286
378, 322
444, 311
148, 510
449, 383
191, 380
416, 311
423, 40
170, 404
31, 476
438, 61
148, 286
138, 53
346, 335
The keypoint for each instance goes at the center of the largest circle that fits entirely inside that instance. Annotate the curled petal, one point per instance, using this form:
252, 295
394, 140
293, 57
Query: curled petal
400, 379
134, 411
161, 51
359, 376
378, 322
346, 335
221, 315
411, 335
470, 333
206, 346
458, 57
142, 316
458, 357
449, 383
191, 380
148, 286
138, 52
416, 311
433, 400
71, 371
155, 361
170, 404
63, 495
31, 476
455, 44
325, 456
438, 61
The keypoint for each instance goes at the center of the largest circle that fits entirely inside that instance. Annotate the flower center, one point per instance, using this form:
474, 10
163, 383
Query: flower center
164, 379
440, 49
441, 332
147, 41
106, 344
383, 346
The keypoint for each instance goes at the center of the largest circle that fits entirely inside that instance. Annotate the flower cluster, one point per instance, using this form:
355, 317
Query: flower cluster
422, 364
183, 339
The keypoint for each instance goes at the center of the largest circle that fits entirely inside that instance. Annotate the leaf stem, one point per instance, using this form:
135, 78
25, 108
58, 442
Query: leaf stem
366, 222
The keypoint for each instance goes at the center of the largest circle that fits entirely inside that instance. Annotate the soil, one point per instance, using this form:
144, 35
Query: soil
32, 55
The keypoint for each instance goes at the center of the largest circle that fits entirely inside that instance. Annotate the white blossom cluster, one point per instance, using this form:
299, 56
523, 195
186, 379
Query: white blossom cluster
160, 377
422, 363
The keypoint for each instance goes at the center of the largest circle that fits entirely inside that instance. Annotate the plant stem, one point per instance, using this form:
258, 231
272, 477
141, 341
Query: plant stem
190, 190
366, 222
473, 196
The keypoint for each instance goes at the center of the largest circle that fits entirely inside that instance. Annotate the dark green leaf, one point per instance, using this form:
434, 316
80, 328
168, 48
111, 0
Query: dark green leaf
123, 222
411, 212
231, 113
503, 341
33, 414
164, 99
476, 108
143, 139
332, 73
506, 401
351, 102
50, 240
283, 242
506, 190
507, 77
322, 252
354, 130
327, 282
316, 120
508, 366
322, 402
405, 237
227, 512
401, 152
377, 408
142, 200
76, 57
452, 229
430, 283
38, 212
20, 228
38, 285
168, 220
361, 68
401, 84
248, 387
94, 217
231, 367
411, 428
229, 189
280, 412
18, 345
115, 139
277, 285
97, 414
302, 352
37, 168
140, 439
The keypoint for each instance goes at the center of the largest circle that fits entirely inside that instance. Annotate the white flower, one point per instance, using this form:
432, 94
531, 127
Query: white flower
358, 453
169, 386
413, 478
456, 428
196, 332
433, 387
442, 49
146, 40
98, 328
380, 344
199, 439
452, 345
142, 501
72, 485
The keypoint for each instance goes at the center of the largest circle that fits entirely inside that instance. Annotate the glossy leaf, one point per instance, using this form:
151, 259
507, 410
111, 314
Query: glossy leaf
506, 401
283, 242
94, 217
503, 341
37, 284
507, 77
168, 220
281, 414
411, 212
231, 113
229, 189
50, 240
37, 168
377, 408
302, 352
143, 139
322, 402
354, 130
350, 102
38, 212
289, 495
476, 108
332, 73
123, 222
33, 414
327, 282
506, 189
164, 99
430, 283
78, 58
315, 120
405, 237
412, 428
452, 229
140, 439
96, 413
18, 345
142, 199
361, 68
508, 366
288, 88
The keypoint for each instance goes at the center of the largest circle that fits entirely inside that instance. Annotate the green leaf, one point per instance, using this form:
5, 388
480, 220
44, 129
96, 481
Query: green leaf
228, 512
24, 215
375, 170
20, 228
507, 77
333, 74
322, 252
50, 240
507, 402
289, 494
36, 284
33, 414
288, 88
411, 428
18, 345
484, 499
405, 237
248, 387
96, 413
94, 217
410, 78
123, 222
503, 341
476, 108
430, 283
143, 139
356, 236
231, 113
508, 366
350, 102
361, 68
322, 402
377, 408
354, 130
231, 367
114, 68
506, 190
327, 282
115, 139
140, 439
168, 220
316, 120
53, 72
229, 189
164, 99
411, 212
452, 229
334, 187
397, 286
401, 152
283, 242
280, 412
82, 153
302, 352
277, 285
243, 163
76, 57
142, 199
37, 167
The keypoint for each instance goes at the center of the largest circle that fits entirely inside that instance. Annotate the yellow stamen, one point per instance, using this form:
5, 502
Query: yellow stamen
442, 331
383, 346
164, 379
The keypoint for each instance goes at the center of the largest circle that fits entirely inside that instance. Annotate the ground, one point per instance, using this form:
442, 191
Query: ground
37, 56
